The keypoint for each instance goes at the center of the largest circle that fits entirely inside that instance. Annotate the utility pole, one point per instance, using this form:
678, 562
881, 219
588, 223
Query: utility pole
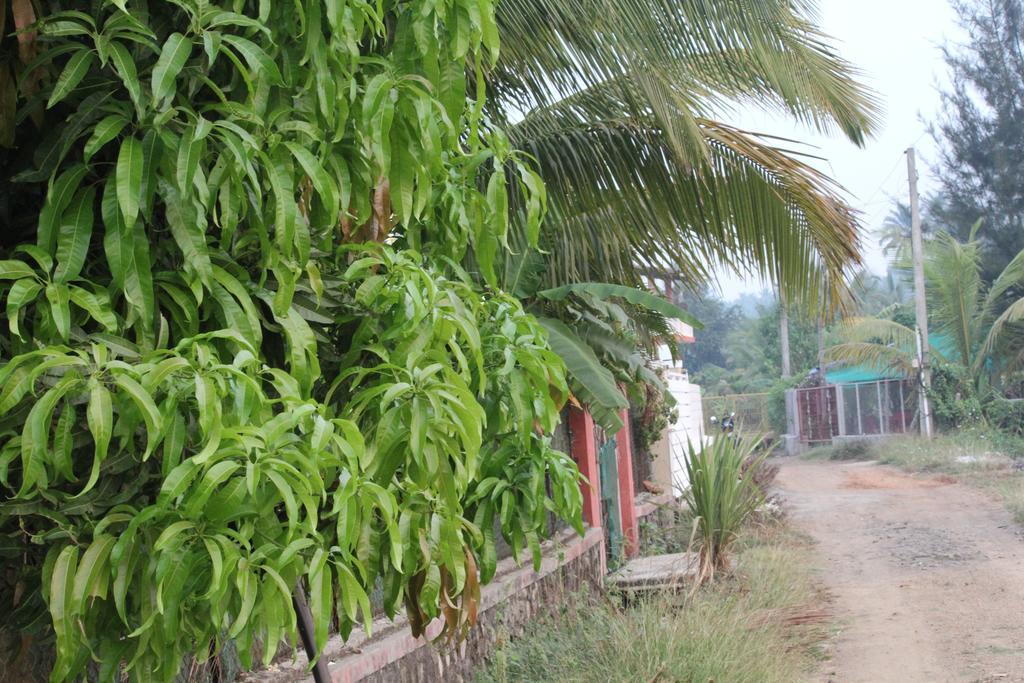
920, 305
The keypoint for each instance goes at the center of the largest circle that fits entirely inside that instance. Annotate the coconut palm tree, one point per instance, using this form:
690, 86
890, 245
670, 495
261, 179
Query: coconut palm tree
620, 103
980, 325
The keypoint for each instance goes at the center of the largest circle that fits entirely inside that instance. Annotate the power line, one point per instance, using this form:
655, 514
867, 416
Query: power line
888, 176
881, 186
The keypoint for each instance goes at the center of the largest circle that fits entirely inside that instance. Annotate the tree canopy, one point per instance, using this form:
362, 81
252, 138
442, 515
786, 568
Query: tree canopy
220, 382
621, 104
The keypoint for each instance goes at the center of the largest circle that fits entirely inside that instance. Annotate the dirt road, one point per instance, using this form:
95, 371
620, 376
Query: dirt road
927, 575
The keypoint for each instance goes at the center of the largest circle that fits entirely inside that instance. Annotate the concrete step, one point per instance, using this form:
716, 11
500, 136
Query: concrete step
654, 573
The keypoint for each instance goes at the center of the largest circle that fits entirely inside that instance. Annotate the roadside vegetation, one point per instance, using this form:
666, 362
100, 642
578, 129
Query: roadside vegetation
765, 622
723, 495
761, 618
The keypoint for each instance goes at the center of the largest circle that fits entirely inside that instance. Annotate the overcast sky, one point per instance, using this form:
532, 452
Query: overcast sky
897, 46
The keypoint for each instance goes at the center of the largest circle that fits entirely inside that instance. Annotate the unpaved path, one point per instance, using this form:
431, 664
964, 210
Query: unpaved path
927, 575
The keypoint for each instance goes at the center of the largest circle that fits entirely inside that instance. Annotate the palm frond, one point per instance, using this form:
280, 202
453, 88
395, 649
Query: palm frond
1011, 276
878, 343
873, 355
1014, 313
637, 297
880, 330
953, 274
768, 52
621, 202
618, 101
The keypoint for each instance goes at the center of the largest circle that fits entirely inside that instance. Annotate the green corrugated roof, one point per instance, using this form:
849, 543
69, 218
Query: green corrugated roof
866, 373
859, 373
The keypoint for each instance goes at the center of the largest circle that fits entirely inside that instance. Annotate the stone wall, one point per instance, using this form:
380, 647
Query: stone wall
509, 603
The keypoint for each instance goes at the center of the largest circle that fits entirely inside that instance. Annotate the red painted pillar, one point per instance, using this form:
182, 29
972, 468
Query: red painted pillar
627, 494
584, 452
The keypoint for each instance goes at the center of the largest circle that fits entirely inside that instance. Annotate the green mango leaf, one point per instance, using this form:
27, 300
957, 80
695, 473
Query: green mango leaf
170, 534
22, 293
173, 55
15, 270
98, 307
100, 419
321, 597
258, 60
323, 183
73, 73
93, 574
74, 236
150, 414
57, 200
105, 131
129, 179
248, 586
127, 71
35, 437
187, 233
60, 309
62, 606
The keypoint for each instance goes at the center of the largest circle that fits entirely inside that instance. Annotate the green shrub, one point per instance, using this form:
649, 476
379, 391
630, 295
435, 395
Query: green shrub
777, 403
1006, 414
954, 401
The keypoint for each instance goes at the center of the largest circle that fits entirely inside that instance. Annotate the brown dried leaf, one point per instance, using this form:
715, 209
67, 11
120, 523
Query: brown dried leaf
417, 619
448, 608
25, 15
471, 592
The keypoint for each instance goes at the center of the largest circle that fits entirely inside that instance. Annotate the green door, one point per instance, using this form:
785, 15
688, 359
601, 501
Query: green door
611, 518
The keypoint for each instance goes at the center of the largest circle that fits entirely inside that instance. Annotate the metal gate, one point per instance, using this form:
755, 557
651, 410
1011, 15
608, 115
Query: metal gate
818, 414
863, 409
607, 461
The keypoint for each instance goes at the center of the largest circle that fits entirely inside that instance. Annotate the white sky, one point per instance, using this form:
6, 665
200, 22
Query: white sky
896, 44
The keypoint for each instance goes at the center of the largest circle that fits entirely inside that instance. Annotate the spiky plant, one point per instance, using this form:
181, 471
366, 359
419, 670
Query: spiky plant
723, 494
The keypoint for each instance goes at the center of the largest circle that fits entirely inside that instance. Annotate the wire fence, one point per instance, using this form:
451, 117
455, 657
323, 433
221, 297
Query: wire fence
859, 410
753, 412
877, 408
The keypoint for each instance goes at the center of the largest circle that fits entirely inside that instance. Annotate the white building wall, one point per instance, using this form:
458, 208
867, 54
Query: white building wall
689, 425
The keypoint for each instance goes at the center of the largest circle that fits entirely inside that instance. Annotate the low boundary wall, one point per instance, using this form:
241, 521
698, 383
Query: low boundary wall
515, 597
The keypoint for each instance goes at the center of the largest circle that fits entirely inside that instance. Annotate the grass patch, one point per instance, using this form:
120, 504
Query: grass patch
762, 624
861, 449
971, 456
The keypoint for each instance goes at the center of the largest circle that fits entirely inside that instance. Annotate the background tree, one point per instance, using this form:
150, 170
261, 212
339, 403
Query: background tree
981, 132
978, 324
750, 350
719, 318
